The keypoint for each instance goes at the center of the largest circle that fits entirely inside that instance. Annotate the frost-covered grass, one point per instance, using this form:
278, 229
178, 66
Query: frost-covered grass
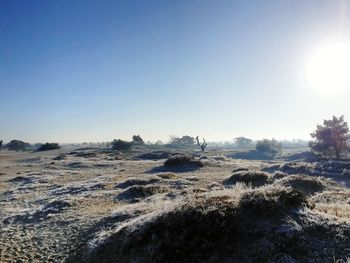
103, 209
272, 222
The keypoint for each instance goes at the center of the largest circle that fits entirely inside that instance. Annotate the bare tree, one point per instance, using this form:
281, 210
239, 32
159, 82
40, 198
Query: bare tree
202, 145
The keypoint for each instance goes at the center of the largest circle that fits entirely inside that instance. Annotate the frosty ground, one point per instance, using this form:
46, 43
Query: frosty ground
98, 205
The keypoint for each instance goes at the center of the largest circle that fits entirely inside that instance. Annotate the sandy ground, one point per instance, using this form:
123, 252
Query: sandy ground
51, 207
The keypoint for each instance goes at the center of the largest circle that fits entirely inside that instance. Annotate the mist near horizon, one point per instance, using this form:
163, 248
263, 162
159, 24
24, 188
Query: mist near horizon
89, 71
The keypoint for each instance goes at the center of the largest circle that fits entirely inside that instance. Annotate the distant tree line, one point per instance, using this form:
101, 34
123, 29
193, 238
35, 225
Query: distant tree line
18, 145
330, 140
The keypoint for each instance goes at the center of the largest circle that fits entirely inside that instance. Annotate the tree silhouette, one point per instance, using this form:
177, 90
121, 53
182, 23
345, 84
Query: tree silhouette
331, 138
202, 145
136, 139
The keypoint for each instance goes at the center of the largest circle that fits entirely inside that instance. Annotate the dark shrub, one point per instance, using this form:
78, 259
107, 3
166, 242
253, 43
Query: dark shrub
48, 146
255, 178
0, 144
121, 145
182, 160
17, 145
210, 230
272, 201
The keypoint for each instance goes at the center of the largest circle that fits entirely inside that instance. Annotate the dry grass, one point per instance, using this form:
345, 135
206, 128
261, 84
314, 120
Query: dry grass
233, 225
182, 215
336, 203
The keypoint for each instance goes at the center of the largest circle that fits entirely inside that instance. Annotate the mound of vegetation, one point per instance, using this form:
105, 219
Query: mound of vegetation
266, 224
121, 145
48, 147
253, 178
297, 168
182, 160
306, 184
135, 192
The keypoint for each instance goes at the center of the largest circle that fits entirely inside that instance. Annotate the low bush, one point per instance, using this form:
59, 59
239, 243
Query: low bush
267, 224
182, 160
121, 145
272, 200
253, 178
306, 184
17, 145
48, 147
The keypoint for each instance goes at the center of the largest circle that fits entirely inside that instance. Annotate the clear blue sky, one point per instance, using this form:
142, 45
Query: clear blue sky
74, 71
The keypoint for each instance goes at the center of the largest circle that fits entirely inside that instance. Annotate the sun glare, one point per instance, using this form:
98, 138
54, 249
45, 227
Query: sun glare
328, 68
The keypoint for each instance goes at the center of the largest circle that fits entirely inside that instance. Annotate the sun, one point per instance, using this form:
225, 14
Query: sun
328, 68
